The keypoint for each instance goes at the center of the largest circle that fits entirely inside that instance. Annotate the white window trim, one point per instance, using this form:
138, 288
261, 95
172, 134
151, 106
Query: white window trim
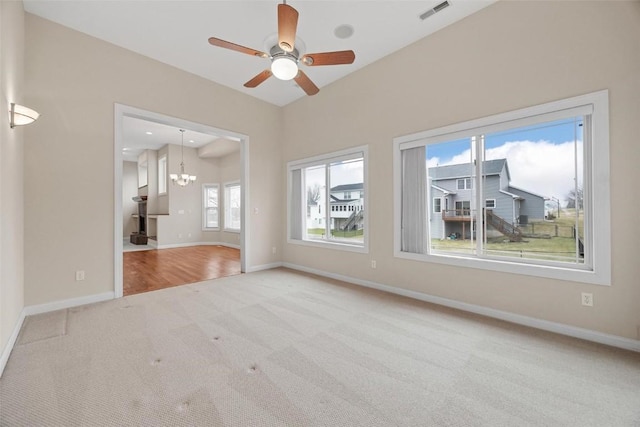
166, 169
224, 197
434, 205
350, 153
597, 172
464, 183
495, 204
204, 207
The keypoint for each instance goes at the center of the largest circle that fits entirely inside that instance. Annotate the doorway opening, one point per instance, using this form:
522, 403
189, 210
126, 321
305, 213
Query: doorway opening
167, 234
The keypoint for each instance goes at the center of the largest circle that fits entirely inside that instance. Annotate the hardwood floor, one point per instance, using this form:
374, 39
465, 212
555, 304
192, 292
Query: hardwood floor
163, 268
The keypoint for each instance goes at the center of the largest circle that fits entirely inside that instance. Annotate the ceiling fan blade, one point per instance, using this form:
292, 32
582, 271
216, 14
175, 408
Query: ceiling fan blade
329, 58
228, 45
258, 79
306, 84
287, 25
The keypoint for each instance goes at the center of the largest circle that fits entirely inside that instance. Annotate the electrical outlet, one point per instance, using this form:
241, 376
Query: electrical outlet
179, 235
374, 264
587, 299
274, 250
79, 275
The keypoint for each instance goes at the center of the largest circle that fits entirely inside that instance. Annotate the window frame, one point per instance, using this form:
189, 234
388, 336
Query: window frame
162, 175
439, 204
596, 181
227, 186
464, 184
205, 208
325, 159
494, 205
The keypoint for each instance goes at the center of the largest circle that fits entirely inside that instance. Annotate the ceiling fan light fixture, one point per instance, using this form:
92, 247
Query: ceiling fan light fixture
284, 68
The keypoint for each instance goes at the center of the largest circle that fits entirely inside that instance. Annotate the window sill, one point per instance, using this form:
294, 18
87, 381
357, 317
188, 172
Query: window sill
331, 245
505, 266
211, 229
232, 230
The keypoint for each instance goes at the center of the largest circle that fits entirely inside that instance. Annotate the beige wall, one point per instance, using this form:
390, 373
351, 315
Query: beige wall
74, 80
508, 56
11, 170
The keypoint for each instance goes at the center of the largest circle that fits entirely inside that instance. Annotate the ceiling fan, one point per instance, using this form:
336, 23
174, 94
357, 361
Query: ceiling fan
285, 57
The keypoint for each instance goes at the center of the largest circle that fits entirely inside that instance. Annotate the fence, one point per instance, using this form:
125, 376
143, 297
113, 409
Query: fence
547, 229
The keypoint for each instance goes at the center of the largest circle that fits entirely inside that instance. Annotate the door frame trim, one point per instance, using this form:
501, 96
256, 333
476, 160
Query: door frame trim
120, 111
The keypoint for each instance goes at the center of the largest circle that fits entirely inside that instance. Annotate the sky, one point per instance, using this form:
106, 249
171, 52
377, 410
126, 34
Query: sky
541, 158
346, 172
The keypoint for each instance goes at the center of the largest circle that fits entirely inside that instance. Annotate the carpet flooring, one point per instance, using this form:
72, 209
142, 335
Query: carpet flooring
282, 348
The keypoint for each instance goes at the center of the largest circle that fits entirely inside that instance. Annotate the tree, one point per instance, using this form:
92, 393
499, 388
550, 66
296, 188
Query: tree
572, 196
313, 194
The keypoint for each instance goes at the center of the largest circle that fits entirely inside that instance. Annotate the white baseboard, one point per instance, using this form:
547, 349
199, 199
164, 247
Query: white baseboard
255, 268
228, 245
6, 352
186, 245
559, 328
45, 308
73, 302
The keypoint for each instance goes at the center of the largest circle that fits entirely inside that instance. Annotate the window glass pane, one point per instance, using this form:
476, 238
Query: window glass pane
450, 169
210, 206
162, 175
314, 178
232, 207
535, 173
346, 180
332, 206
437, 205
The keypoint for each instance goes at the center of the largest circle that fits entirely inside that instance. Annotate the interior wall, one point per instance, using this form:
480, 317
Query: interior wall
508, 56
183, 226
129, 190
11, 170
74, 81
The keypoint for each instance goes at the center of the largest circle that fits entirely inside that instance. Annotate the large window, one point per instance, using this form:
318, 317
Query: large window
327, 200
527, 189
232, 200
210, 207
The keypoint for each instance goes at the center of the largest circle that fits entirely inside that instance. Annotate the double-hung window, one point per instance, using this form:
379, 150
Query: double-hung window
210, 207
232, 201
503, 175
327, 200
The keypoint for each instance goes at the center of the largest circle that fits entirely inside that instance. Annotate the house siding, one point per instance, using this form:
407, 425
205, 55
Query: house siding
532, 206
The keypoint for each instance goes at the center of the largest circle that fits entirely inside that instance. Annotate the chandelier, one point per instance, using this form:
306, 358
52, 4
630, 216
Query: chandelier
182, 179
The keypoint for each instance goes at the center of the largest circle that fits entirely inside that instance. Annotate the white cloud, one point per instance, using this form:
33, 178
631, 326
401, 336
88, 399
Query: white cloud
541, 167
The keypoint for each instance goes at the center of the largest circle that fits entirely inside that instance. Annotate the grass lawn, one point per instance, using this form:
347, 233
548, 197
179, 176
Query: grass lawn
560, 248
336, 234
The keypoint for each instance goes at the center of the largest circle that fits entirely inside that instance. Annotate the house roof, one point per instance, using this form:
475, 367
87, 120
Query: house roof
444, 190
348, 187
490, 167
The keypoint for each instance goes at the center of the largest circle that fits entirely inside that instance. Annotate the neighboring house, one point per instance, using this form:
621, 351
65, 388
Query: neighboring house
453, 201
347, 208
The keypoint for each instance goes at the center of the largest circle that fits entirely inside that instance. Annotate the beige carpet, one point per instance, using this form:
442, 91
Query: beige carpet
280, 348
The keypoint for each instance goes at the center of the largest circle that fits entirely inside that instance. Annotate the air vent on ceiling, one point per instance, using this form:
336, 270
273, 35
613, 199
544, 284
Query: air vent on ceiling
435, 10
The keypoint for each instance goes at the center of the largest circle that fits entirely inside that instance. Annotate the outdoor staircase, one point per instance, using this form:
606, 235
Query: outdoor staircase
352, 222
511, 231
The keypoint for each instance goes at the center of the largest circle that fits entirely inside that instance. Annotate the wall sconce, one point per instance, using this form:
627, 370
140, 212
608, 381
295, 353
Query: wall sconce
20, 115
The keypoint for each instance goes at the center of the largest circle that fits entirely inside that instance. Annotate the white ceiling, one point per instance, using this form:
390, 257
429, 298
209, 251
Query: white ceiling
176, 32
139, 135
